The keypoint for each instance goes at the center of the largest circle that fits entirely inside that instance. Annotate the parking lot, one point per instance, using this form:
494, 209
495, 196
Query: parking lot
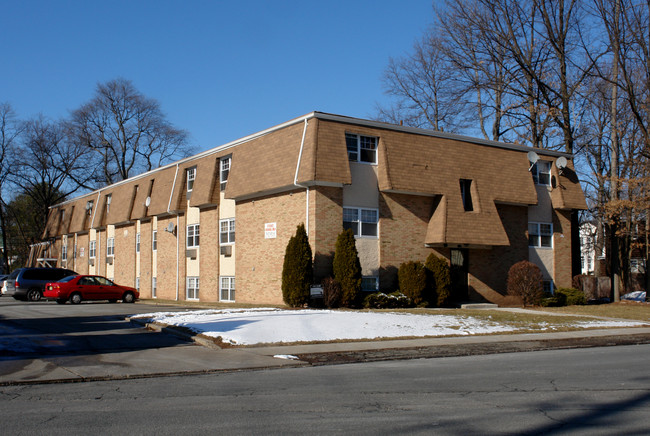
42, 341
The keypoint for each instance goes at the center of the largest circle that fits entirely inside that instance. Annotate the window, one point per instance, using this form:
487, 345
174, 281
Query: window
369, 284
192, 235
92, 249
227, 289
540, 235
225, 170
64, 252
108, 203
137, 242
363, 222
110, 247
361, 148
191, 175
227, 231
547, 286
466, 194
154, 240
89, 207
154, 287
192, 288
542, 172
137, 283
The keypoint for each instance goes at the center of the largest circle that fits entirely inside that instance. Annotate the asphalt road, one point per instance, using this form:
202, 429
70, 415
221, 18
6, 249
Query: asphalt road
590, 391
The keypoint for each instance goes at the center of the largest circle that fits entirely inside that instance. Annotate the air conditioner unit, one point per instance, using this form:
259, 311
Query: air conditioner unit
91, 262
191, 253
109, 260
226, 250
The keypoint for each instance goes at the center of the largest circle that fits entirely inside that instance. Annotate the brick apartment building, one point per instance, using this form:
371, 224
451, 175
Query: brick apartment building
214, 227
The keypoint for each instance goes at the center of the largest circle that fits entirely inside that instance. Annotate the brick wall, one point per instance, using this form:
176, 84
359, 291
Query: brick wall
166, 256
324, 230
124, 261
259, 261
562, 248
209, 255
145, 258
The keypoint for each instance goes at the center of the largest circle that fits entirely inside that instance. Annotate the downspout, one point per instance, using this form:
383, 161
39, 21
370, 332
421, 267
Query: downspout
295, 178
169, 205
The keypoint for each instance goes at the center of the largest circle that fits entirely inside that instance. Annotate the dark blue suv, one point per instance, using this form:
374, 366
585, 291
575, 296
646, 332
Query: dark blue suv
29, 283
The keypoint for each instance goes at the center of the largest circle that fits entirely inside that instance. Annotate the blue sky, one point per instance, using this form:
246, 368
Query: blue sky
220, 69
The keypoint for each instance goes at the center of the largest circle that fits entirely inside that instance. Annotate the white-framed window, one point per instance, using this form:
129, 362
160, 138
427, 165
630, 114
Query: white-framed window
92, 249
110, 247
192, 235
542, 172
64, 252
192, 288
224, 172
227, 231
466, 194
363, 222
540, 235
361, 148
191, 175
154, 287
89, 207
227, 289
154, 240
108, 203
369, 283
137, 242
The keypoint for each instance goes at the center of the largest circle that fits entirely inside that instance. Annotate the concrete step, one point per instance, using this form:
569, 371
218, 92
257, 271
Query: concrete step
479, 306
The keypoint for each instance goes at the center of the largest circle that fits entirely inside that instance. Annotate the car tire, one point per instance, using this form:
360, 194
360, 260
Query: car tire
34, 294
60, 300
75, 298
128, 297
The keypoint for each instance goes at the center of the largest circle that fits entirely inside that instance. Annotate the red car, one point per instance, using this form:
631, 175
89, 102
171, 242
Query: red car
78, 288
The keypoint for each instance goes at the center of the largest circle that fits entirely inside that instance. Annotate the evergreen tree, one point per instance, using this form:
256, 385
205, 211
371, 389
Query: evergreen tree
439, 280
297, 272
347, 268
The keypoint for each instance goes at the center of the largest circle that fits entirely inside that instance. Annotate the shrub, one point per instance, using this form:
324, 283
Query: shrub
379, 300
347, 268
331, 292
439, 280
413, 281
525, 281
572, 296
555, 300
297, 273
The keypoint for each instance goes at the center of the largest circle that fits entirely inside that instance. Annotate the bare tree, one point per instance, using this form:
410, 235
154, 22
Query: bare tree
127, 132
10, 129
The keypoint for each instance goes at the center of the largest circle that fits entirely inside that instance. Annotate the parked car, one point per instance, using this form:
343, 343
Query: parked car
3, 284
29, 283
85, 287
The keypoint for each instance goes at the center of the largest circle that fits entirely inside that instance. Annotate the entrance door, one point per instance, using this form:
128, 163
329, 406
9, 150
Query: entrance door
459, 274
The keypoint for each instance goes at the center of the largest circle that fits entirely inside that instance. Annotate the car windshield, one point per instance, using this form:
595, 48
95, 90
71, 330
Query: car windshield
67, 279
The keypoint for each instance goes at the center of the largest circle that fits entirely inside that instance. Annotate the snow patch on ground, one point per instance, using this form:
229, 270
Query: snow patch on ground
269, 325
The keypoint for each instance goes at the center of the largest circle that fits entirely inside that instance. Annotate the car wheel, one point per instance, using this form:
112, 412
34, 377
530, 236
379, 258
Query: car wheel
112, 301
128, 298
60, 300
75, 298
34, 295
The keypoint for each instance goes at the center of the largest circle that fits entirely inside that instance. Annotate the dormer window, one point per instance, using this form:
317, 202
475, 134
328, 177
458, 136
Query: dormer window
191, 175
361, 148
466, 194
108, 203
89, 207
542, 172
225, 171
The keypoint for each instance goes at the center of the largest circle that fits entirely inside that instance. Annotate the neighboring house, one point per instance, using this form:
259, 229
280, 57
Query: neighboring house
215, 226
588, 258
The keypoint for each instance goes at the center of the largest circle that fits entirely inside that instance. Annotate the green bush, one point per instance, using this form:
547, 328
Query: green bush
525, 281
297, 272
439, 277
572, 296
553, 300
413, 282
347, 268
331, 292
379, 300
